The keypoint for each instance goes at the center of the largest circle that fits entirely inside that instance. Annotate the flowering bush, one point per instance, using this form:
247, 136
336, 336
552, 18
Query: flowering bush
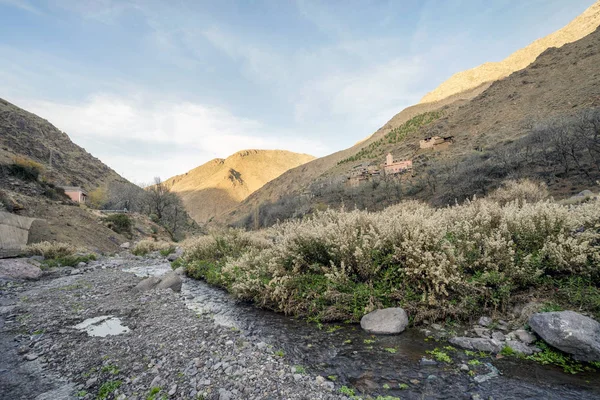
455, 261
144, 247
51, 249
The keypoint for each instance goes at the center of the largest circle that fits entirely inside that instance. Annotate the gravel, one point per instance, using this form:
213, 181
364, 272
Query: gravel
170, 351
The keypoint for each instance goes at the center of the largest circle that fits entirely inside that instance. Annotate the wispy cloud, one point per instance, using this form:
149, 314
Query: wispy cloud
173, 136
22, 4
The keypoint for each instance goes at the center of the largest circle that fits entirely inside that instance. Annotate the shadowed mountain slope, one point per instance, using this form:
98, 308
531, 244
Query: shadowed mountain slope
219, 185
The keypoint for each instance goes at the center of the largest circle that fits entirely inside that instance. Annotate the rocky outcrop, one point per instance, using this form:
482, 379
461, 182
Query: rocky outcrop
170, 281
388, 321
14, 233
570, 332
19, 269
480, 344
147, 284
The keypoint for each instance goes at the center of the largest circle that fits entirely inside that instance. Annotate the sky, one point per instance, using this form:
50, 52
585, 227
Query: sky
156, 88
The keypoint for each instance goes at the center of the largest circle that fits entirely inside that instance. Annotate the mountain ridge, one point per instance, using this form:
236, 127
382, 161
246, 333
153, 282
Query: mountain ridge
488, 72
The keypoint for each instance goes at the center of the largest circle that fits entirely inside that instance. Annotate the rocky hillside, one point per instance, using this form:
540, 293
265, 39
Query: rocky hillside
221, 184
65, 163
486, 73
493, 126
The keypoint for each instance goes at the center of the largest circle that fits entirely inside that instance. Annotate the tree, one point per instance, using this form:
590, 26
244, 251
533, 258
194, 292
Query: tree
98, 197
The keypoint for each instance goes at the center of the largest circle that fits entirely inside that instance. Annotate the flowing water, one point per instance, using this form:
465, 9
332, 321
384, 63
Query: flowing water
383, 365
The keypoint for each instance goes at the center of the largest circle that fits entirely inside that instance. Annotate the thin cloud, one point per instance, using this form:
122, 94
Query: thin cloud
21, 4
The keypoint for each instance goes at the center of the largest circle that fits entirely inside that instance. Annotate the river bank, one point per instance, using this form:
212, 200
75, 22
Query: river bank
201, 343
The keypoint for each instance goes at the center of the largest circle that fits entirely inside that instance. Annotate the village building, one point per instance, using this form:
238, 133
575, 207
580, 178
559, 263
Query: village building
392, 167
362, 173
435, 141
75, 193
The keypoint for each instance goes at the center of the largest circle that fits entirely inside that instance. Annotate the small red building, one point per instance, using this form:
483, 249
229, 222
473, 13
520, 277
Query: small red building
75, 193
395, 167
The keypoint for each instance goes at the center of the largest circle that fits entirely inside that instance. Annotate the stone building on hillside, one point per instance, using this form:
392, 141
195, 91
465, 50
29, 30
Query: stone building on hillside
392, 167
75, 193
435, 141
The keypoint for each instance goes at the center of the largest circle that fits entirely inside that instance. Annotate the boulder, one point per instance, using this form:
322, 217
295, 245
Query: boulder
485, 321
570, 332
387, 321
481, 344
19, 269
175, 255
147, 284
126, 245
170, 281
180, 271
524, 336
521, 347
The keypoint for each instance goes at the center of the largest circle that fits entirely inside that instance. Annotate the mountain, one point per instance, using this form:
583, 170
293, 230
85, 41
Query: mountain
65, 163
486, 73
518, 126
26, 136
219, 185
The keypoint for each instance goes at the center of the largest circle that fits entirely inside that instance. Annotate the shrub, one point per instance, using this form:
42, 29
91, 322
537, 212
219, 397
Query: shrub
67, 261
51, 250
520, 191
436, 263
144, 247
120, 223
26, 169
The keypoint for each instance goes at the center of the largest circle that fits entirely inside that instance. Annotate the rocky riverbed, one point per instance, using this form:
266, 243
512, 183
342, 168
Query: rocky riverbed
201, 344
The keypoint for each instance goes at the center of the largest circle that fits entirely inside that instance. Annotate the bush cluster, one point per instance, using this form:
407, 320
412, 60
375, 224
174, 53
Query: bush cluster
51, 249
144, 247
120, 223
452, 262
26, 169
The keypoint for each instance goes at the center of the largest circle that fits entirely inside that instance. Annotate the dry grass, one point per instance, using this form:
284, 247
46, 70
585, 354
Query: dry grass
454, 261
51, 250
148, 246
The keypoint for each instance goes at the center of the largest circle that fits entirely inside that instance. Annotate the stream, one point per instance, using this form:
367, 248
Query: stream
382, 365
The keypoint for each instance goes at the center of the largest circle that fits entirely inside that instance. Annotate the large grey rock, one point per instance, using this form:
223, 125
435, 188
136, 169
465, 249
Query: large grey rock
175, 255
19, 269
481, 344
170, 281
570, 332
524, 336
125, 245
387, 321
147, 284
521, 347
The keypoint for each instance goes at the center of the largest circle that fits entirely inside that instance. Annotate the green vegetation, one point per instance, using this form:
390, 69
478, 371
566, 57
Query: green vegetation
280, 353
508, 351
454, 262
25, 169
440, 355
396, 135
107, 389
120, 223
167, 251
556, 357
300, 369
403, 386
347, 391
154, 391
474, 362
391, 350
368, 341
111, 369
332, 378
67, 261
387, 398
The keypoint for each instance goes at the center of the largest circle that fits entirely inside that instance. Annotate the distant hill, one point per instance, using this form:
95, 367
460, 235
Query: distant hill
580, 27
500, 131
219, 185
25, 134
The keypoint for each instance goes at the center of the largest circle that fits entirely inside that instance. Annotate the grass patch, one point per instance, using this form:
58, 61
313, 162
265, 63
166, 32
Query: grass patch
552, 356
67, 261
107, 389
440, 355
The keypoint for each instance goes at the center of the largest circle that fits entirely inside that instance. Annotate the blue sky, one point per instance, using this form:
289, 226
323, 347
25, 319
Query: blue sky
156, 87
